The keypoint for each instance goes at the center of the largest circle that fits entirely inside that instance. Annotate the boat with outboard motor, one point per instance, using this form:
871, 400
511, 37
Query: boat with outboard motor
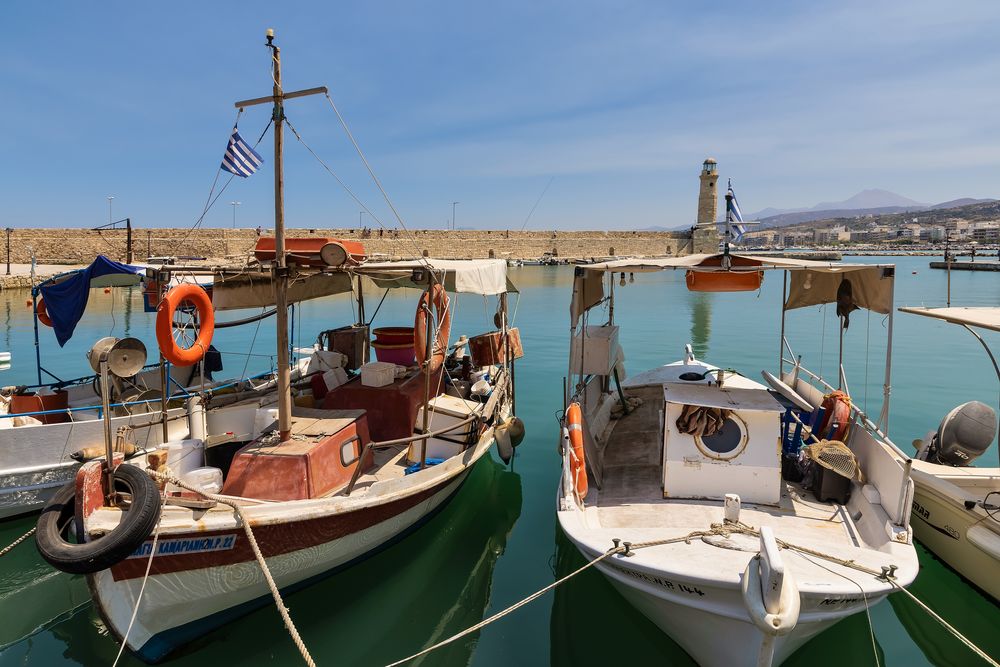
367, 453
956, 503
741, 518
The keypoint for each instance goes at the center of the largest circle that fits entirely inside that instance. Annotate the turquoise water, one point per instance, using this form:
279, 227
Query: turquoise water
497, 541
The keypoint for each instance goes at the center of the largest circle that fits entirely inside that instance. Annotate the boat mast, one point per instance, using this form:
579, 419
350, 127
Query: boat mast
280, 268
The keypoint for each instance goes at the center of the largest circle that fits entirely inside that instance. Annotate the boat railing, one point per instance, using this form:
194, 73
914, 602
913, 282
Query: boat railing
126, 404
862, 418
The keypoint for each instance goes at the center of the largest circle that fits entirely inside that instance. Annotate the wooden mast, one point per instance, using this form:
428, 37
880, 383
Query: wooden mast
280, 267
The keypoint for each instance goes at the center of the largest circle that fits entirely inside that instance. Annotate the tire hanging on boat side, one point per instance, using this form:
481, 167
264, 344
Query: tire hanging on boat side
138, 522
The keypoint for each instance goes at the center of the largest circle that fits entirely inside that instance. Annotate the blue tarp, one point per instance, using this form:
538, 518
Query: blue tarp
66, 298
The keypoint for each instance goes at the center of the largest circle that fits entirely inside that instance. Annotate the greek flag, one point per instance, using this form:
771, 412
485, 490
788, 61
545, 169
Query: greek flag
733, 214
240, 159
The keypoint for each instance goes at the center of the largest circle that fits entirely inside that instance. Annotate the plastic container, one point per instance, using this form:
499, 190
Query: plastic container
206, 478
393, 335
395, 353
378, 374
183, 456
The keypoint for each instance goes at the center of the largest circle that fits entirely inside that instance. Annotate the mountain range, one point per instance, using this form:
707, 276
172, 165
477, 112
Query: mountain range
866, 202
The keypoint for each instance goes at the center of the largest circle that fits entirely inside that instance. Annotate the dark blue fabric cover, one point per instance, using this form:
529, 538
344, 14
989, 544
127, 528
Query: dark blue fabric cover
65, 301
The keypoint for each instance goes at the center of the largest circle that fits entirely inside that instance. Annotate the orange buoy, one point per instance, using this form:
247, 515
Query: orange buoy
574, 424
172, 352
439, 298
42, 313
107, 290
836, 414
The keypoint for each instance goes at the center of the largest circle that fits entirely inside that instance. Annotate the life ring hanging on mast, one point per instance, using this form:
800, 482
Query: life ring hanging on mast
169, 348
439, 298
42, 313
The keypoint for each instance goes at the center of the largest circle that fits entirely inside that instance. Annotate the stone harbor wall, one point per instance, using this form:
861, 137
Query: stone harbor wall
80, 246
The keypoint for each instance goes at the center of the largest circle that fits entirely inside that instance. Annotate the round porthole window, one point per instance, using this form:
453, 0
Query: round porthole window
726, 443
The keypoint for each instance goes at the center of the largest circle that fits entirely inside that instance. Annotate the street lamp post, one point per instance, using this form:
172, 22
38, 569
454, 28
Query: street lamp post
110, 197
234, 204
453, 205
8, 232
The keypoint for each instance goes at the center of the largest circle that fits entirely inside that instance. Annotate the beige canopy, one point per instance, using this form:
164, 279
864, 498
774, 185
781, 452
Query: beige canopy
486, 277
812, 282
986, 317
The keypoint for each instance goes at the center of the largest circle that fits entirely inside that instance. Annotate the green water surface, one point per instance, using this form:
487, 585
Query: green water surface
498, 541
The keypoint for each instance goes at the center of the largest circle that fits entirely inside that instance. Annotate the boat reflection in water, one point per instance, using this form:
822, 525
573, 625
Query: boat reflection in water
578, 636
951, 596
425, 588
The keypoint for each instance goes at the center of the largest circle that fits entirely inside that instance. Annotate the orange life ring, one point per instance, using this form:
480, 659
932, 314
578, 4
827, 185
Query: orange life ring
441, 307
837, 414
172, 352
42, 313
574, 424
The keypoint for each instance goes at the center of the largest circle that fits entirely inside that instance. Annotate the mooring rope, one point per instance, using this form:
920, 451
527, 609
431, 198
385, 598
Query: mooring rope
13, 544
947, 626
514, 607
282, 609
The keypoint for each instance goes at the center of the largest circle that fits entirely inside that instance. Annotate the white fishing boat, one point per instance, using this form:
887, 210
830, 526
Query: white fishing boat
956, 504
44, 427
368, 452
692, 475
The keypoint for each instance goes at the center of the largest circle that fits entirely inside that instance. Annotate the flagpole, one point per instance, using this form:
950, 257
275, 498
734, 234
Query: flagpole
280, 266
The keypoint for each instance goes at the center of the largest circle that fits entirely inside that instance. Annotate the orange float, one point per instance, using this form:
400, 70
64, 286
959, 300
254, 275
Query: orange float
836, 413
172, 352
439, 298
42, 313
574, 424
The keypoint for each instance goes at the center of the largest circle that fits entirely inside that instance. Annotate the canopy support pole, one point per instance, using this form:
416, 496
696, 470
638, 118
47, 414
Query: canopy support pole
38, 350
428, 351
781, 341
883, 419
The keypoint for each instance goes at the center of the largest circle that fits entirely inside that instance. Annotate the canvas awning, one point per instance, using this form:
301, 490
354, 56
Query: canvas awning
66, 295
485, 277
812, 282
985, 317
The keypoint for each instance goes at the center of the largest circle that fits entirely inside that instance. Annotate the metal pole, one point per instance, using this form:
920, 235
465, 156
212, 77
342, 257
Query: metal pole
887, 385
428, 349
149, 243
947, 262
106, 413
8, 231
280, 267
128, 240
110, 197
781, 341
453, 205
234, 204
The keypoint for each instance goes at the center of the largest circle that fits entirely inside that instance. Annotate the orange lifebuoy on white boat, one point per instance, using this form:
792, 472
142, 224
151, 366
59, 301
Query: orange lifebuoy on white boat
574, 424
42, 313
836, 410
439, 298
172, 352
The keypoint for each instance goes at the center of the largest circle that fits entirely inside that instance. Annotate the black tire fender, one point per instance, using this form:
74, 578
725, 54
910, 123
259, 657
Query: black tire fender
138, 522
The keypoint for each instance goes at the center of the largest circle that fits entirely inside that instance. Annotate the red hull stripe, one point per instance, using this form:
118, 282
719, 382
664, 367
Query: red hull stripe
273, 540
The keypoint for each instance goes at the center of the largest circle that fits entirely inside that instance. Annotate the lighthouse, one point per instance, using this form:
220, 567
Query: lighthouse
705, 236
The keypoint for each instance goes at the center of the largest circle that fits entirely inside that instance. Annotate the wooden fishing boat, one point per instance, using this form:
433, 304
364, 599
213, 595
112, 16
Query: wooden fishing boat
693, 475
956, 504
367, 454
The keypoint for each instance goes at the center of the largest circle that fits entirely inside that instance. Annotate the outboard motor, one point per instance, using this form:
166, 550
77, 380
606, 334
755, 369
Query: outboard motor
965, 434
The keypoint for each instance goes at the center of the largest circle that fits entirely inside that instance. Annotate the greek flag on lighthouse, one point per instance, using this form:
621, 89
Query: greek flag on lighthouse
733, 214
240, 159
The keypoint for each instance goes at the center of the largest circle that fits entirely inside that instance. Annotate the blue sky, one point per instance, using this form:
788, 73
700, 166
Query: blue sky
616, 103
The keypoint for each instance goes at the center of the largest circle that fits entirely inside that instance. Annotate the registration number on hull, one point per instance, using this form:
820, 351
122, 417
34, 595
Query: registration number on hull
185, 545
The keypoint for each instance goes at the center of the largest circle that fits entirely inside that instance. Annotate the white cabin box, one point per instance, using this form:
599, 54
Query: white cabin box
598, 347
744, 457
444, 411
